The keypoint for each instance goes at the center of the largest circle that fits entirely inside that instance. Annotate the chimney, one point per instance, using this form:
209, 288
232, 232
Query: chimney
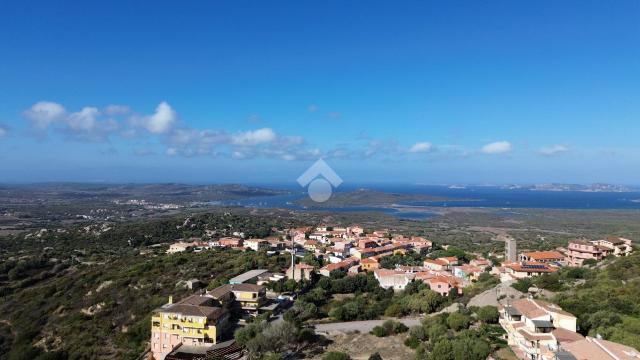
170, 300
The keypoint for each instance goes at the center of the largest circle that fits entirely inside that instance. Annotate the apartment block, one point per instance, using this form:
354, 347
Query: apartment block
192, 321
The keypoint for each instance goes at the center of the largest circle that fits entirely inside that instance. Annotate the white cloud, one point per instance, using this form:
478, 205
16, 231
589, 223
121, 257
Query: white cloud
255, 137
114, 110
84, 120
163, 127
498, 147
421, 147
162, 120
4, 131
44, 113
553, 150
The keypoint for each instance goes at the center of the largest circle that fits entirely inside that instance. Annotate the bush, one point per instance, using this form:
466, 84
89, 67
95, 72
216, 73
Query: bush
378, 331
389, 327
375, 356
336, 355
488, 314
412, 342
458, 321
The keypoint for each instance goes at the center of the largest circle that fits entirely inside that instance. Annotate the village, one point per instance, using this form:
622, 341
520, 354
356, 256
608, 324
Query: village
200, 326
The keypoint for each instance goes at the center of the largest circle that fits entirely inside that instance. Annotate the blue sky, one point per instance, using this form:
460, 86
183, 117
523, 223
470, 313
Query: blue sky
256, 91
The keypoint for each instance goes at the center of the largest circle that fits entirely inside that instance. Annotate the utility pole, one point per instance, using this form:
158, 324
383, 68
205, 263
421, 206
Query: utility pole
293, 259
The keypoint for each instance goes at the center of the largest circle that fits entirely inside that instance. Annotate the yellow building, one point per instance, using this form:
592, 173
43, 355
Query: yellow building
192, 321
249, 296
370, 264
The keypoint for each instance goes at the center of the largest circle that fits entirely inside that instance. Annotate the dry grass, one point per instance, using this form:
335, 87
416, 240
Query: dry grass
361, 346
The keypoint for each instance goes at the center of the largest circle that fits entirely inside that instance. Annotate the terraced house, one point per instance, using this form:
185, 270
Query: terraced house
192, 321
534, 327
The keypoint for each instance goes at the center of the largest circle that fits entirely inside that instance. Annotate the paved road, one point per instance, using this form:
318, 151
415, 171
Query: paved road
362, 326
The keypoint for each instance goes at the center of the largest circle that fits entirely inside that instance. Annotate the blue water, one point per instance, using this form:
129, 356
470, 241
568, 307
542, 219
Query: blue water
472, 196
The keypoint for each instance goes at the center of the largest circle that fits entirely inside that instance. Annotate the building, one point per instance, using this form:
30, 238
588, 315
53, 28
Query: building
619, 246
301, 271
510, 249
222, 295
181, 246
233, 243
436, 264
192, 321
250, 275
257, 244
592, 348
480, 262
544, 257
397, 280
343, 265
268, 277
249, 296
515, 271
467, 272
194, 284
449, 260
311, 245
226, 349
443, 284
370, 264
580, 250
530, 326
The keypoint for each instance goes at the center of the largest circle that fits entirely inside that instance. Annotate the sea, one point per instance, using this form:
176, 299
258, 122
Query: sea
460, 196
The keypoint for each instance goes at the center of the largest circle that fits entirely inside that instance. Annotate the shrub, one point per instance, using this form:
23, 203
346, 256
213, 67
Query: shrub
488, 314
336, 355
457, 321
379, 331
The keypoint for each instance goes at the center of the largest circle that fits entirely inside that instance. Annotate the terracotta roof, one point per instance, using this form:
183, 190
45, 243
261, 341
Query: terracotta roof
436, 262
370, 260
564, 335
594, 349
220, 291
614, 240
444, 279
544, 255
196, 300
247, 287
209, 312
528, 308
533, 267
535, 308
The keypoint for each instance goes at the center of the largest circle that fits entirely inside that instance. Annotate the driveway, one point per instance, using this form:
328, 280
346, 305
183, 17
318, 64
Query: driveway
362, 326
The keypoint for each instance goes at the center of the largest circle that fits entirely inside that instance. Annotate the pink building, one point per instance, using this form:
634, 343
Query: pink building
444, 284
580, 250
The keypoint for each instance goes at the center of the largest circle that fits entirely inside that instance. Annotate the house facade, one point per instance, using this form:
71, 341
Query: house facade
192, 321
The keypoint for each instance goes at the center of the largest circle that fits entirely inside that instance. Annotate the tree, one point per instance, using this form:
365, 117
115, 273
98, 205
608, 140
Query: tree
375, 356
442, 350
468, 347
458, 321
488, 314
522, 285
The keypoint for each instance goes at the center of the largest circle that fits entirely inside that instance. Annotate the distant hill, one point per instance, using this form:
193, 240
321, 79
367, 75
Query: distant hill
598, 187
173, 193
367, 197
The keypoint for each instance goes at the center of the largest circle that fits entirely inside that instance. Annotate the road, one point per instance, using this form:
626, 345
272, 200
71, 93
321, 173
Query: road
363, 326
